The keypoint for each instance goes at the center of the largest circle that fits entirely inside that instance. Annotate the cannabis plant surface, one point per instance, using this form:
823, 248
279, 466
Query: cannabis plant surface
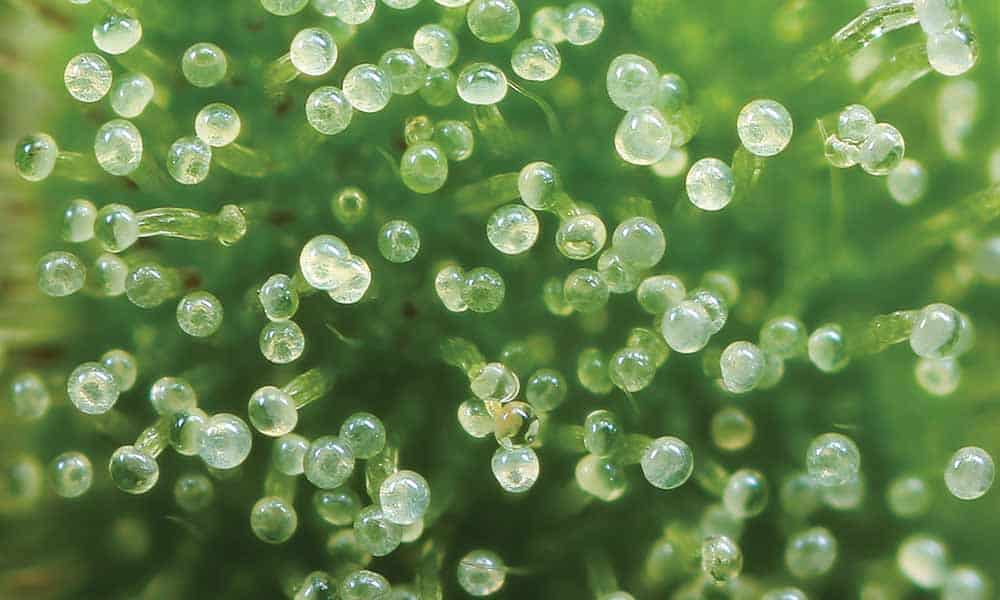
426, 299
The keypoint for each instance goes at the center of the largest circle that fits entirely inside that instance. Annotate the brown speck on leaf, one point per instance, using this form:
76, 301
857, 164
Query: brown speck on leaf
42, 355
280, 217
283, 105
409, 310
191, 280
53, 16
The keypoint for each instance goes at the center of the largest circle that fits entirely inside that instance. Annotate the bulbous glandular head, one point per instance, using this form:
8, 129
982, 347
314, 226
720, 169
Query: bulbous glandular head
131, 94
404, 497
833, 459
272, 411
189, 160
436, 45
225, 441
424, 167
328, 110
581, 236
117, 33
406, 71
282, 342
364, 433
710, 184
632, 81
60, 274
133, 471
482, 84
217, 124
536, 60
643, 136
882, 150
35, 156
118, 147
481, 573
71, 474
493, 21
87, 77
313, 51
764, 127
515, 469
273, 520
204, 65
92, 389
329, 462
367, 88
667, 462
970, 473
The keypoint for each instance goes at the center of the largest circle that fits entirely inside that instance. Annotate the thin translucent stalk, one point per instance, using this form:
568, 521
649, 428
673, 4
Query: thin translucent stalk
710, 362
600, 574
155, 439
352, 342
686, 538
278, 74
301, 286
920, 239
710, 476
428, 572
564, 438
157, 122
487, 194
747, 169
241, 160
894, 76
453, 19
863, 30
291, 580
256, 211
391, 161
529, 354
461, 353
115, 424
77, 167
126, 6
162, 96
280, 485
149, 177
880, 333
494, 129
379, 467
448, 485
551, 119
914, 243
205, 379
563, 205
227, 227
837, 211
632, 448
184, 223
141, 59
813, 155
304, 142
566, 501
170, 276
309, 386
